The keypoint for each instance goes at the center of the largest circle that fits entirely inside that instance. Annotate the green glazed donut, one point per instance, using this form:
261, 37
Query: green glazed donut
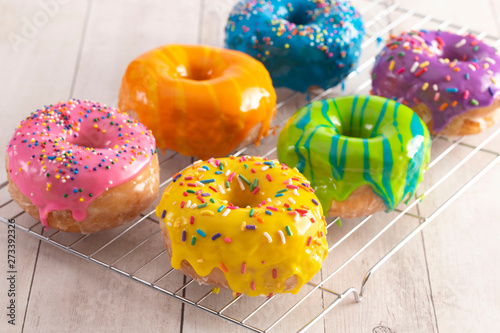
367, 147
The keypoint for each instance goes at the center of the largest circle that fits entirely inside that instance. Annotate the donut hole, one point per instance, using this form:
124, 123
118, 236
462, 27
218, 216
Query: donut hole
212, 68
299, 14
452, 54
299, 17
364, 133
247, 197
195, 73
201, 74
242, 199
89, 139
366, 121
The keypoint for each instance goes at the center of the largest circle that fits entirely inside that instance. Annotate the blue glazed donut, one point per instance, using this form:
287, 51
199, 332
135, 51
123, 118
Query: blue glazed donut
301, 42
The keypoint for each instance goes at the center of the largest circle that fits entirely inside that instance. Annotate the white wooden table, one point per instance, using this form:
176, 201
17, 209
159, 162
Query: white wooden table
444, 280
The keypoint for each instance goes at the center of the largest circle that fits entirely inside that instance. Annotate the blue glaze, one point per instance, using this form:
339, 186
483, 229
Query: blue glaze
301, 42
395, 123
353, 109
337, 165
307, 146
366, 171
361, 113
388, 197
324, 111
380, 117
418, 158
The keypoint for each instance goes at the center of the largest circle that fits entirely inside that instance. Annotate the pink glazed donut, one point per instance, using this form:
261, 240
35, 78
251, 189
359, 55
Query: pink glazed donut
80, 166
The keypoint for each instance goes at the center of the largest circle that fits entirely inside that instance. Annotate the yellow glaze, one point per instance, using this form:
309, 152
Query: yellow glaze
199, 100
277, 232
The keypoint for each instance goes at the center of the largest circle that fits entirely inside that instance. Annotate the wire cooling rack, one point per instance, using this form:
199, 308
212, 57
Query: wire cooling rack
136, 250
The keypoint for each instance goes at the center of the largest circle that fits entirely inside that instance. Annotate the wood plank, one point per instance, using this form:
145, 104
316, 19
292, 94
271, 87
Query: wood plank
398, 304
399, 307
26, 254
495, 8
32, 58
213, 21
478, 16
464, 281
460, 289
399, 296
40, 59
459, 245
112, 42
105, 300
213, 24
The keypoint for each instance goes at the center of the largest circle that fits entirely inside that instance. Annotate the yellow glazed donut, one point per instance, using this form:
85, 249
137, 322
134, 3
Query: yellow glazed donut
244, 223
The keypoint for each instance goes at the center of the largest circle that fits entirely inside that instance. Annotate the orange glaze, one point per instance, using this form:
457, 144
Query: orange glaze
199, 100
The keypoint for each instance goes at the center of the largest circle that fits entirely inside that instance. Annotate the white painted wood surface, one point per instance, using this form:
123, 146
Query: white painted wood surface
444, 280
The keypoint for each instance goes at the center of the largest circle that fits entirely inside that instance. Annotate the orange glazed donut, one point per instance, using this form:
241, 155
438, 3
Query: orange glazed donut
248, 224
199, 100
80, 166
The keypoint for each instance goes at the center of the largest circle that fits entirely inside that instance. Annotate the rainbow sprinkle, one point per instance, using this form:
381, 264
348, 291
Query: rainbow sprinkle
464, 75
82, 148
268, 219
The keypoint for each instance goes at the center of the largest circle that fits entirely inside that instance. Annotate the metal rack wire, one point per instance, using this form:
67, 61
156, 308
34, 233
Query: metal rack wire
136, 250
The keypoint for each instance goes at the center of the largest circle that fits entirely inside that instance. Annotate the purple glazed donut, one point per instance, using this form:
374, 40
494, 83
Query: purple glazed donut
452, 82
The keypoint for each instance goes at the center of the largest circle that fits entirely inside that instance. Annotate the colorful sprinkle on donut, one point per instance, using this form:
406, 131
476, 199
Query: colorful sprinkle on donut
75, 151
462, 72
256, 226
301, 42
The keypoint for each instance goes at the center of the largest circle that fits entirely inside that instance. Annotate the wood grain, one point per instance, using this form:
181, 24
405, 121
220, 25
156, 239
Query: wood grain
107, 47
444, 280
480, 16
39, 59
29, 65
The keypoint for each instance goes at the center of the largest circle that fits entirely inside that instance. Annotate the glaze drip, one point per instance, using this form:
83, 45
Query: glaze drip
301, 42
362, 148
199, 100
64, 156
255, 219
451, 74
